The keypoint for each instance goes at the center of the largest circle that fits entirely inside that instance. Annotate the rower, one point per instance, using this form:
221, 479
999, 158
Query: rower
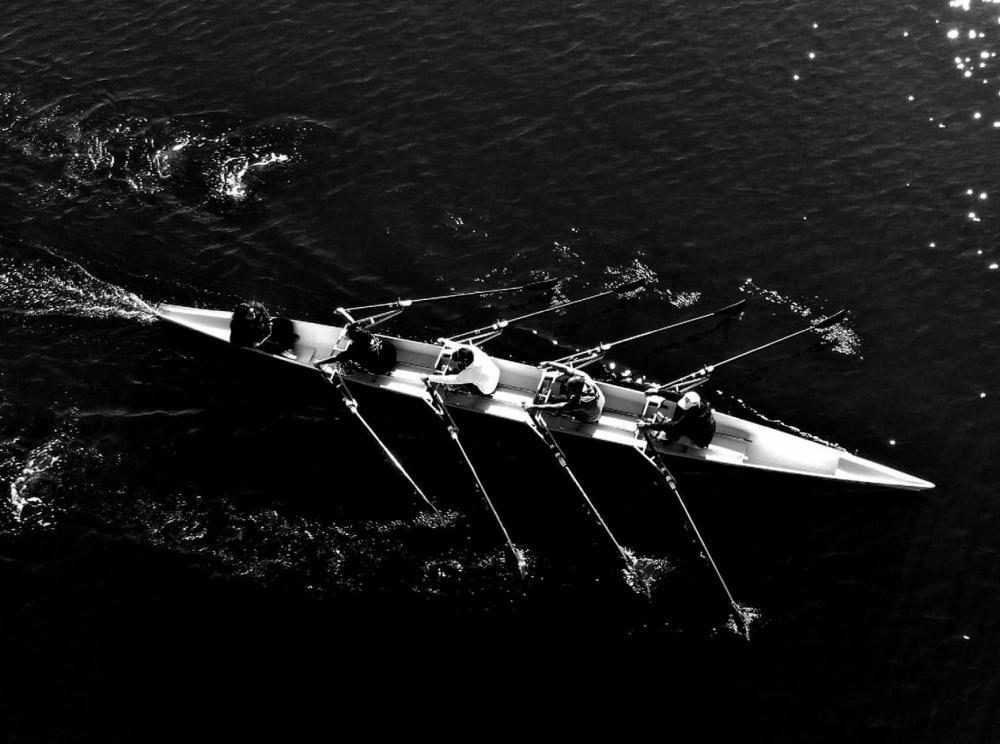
578, 395
692, 419
473, 370
366, 352
253, 327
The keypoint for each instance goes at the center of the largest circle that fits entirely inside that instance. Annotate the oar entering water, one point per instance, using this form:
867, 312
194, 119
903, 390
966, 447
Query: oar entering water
533, 287
437, 404
654, 458
351, 403
486, 333
540, 428
697, 378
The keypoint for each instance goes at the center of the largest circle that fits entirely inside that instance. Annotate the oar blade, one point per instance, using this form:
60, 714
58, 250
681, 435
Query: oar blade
830, 320
736, 307
627, 287
540, 286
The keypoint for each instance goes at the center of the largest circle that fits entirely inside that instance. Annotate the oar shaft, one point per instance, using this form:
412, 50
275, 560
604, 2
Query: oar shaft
546, 284
545, 434
352, 406
437, 404
645, 334
818, 325
500, 324
560, 306
764, 346
656, 460
518, 557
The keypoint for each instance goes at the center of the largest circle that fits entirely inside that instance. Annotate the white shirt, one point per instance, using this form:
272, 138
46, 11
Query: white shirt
482, 372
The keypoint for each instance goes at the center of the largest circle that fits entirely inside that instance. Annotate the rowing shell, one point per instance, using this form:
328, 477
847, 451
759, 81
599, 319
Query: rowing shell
737, 442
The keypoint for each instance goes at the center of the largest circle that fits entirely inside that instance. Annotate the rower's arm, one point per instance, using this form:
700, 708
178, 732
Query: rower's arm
339, 354
664, 425
351, 353
454, 379
548, 406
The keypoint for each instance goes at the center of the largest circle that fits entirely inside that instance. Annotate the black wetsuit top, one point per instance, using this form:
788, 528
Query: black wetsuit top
696, 423
587, 406
371, 353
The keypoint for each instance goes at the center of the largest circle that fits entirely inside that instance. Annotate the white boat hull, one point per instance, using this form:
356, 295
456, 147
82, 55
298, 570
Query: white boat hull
737, 442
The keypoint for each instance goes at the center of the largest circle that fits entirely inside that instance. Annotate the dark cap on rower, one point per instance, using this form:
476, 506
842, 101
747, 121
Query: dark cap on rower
462, 357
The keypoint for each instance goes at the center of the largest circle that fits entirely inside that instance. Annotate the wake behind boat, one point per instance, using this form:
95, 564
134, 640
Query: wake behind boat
737, 442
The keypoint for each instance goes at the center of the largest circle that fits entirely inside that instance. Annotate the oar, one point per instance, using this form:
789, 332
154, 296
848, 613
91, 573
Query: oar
541, 429
598, 351
656, 460
351, 403
498, 327
708, 369
533, 287
437, 404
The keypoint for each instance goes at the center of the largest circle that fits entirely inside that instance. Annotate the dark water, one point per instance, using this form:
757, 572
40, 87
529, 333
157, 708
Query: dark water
178, 528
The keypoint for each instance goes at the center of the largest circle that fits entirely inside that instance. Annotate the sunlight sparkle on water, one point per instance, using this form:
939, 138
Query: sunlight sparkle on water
953, 33
994, 266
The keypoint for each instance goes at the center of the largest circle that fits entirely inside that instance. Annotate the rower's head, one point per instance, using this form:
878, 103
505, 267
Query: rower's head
690, 399
355, 331
462, 358
574, 386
